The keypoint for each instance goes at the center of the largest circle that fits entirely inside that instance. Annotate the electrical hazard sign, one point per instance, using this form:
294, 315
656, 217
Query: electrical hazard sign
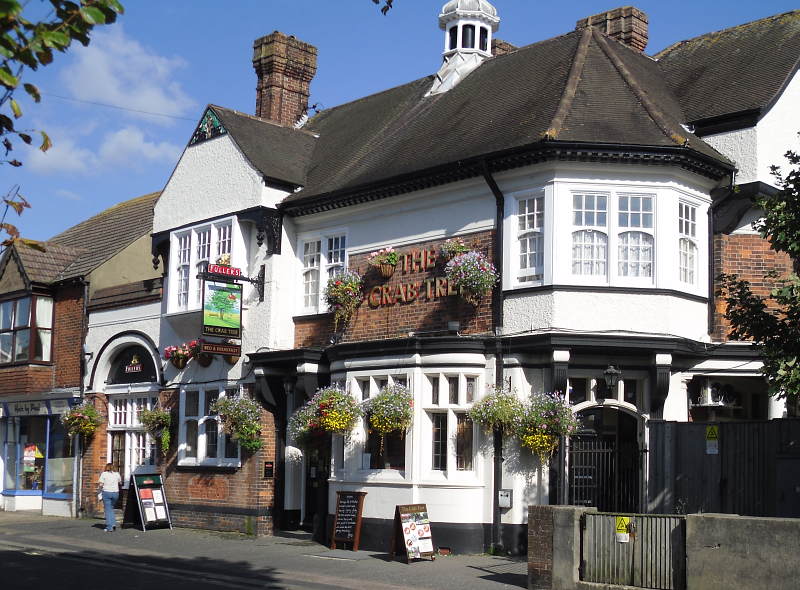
622, 529
712, 440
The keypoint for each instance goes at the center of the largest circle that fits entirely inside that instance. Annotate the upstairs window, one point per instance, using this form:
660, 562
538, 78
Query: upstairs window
322, 257
194, 249
687, 246
530, 238
635, 248
26, 330
590, 245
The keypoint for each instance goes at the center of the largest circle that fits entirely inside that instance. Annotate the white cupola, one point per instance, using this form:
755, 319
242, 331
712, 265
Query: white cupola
468, 26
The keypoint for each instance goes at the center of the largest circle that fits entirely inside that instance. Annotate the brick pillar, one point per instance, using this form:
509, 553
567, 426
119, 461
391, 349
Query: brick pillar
284, 66
627, 25
540, 547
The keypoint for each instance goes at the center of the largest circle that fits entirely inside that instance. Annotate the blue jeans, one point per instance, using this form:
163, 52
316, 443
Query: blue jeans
109, 499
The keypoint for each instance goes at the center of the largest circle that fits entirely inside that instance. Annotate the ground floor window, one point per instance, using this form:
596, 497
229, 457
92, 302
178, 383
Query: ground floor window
38, 456
129, 445
446, 398
201, 439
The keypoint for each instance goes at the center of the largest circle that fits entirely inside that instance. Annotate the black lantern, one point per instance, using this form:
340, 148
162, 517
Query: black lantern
611, 376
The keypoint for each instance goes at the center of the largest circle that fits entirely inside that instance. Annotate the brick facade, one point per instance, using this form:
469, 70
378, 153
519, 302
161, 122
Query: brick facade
750, 257
540, 547
415, 299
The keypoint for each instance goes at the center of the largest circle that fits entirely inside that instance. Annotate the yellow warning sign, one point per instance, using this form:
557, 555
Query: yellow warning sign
622, 524
712, 432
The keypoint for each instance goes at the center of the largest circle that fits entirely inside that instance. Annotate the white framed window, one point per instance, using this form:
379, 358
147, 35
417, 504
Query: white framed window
129, 445
635, 254
201, 440
446, 399
193, 249
530, 238
687, 246
321, 257
590, 245
391, 454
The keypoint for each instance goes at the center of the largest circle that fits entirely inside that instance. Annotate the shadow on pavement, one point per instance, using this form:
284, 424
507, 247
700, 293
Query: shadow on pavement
495, 573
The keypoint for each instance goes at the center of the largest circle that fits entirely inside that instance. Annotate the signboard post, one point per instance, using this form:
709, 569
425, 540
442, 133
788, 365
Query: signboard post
347, 522
146, 490
412, 529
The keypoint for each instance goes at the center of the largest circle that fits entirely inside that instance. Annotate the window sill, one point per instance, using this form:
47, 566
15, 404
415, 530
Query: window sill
27, 364
229, 466
54, 496
311, 315
22, 492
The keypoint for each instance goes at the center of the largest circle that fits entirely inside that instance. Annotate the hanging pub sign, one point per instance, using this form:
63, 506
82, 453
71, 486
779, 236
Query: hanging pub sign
222, 308
412, 532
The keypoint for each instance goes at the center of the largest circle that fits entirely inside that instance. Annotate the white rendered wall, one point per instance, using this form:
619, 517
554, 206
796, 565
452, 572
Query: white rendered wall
212, 178
740, 146
57, 508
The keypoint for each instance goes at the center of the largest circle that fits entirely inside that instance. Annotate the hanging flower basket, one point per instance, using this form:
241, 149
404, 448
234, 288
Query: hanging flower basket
472, 274
157, 422
343, 296
452, 248
385, 260
82, 420
178, 355
545, 419
331, 409
501, 410
241, 418
391, 410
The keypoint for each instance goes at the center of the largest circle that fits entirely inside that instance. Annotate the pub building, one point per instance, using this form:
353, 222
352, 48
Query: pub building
570, 164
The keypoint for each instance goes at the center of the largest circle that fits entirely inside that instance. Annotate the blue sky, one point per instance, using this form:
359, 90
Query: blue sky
172, 57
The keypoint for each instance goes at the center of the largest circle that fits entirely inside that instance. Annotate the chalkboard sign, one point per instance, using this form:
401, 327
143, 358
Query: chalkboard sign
412, 531
347, 522
146, 493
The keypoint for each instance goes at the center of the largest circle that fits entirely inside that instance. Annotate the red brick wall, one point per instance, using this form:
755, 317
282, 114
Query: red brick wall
430, 310
93, 460
26, 379
68, 336
750, 257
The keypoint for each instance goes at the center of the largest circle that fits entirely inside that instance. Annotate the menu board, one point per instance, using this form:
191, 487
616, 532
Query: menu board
347, 522
413, 528
146, 492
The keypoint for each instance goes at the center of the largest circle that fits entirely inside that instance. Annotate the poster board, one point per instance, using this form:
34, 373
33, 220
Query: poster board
146, 504
412, 532
347, 522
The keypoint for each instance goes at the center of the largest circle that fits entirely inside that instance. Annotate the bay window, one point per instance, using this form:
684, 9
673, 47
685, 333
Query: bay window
446, 399
635, 248
389, 451
26, 327
193, 249
321, 257
530, 238
201, 439
687, 247
589, 245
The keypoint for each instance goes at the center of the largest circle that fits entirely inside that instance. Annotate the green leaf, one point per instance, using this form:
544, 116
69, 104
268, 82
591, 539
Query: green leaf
55, 39
9, 8
46, 143
93, 15
33, 91
7, 80
15, 108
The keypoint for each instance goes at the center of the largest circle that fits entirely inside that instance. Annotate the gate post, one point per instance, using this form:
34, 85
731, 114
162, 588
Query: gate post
554, 546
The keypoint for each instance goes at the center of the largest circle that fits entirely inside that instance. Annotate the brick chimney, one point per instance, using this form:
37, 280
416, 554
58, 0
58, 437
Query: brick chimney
500, 47
627, 24
284, 66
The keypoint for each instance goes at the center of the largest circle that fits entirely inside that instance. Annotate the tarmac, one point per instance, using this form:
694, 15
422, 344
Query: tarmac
73, 549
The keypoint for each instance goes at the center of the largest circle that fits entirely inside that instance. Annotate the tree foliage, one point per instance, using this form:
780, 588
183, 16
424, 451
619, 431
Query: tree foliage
387, 5
28, 44
773, 323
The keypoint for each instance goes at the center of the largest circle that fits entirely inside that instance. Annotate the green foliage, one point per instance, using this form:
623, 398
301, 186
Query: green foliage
157, 422
773, 323
500, 409
387, 5
83, 420
240, 417
386, 255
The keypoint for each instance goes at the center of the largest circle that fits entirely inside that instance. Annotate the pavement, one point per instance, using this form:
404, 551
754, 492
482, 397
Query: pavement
38, 551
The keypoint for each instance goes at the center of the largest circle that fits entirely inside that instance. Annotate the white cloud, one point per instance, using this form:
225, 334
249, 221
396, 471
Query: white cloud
68, 195
64, 157
128, 146
118, 70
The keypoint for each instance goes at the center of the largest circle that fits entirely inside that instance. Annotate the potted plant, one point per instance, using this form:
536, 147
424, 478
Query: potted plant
178, 355
472, 274
385, 260
343, 295
392, 409
500, 410
82, 420
196, 351
157, 422
330, 409
545, 418
452, 248
240, 417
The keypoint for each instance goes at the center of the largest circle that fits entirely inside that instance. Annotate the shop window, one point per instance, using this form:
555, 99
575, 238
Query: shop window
192, 250
321, 257
60, 462
201, 440
26, 330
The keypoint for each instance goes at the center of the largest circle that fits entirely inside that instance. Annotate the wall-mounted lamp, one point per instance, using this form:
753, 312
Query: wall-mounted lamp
612, 376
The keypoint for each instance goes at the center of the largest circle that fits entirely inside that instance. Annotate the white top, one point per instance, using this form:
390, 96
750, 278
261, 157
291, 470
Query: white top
111, 481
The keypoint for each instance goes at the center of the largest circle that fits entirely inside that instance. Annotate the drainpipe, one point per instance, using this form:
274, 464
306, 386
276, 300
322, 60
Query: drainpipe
77, 494
497, 318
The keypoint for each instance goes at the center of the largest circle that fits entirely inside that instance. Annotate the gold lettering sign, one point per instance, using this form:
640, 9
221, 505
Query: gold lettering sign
428, 289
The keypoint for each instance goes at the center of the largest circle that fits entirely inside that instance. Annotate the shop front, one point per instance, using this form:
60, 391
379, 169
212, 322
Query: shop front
38, 457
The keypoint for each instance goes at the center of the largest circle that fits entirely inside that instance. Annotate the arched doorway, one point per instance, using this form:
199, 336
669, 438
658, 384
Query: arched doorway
605, 461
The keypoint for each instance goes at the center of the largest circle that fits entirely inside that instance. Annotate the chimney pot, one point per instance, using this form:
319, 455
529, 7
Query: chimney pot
626, 24
285, 67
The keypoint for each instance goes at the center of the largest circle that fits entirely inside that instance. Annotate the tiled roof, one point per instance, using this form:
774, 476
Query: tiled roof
50, 265
738, 69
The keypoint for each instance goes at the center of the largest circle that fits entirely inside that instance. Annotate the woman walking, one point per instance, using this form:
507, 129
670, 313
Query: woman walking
109, 482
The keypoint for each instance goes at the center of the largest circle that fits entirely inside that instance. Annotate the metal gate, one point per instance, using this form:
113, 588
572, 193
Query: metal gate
604, 474
653, 557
